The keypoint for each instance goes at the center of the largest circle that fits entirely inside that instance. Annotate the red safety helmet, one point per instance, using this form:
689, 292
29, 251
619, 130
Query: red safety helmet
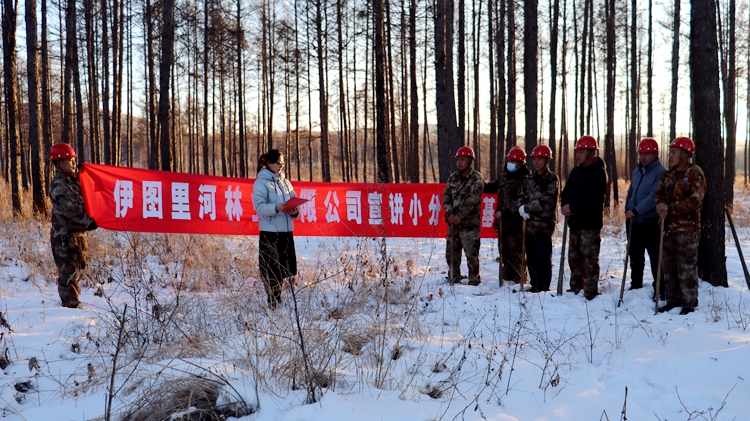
465, 151
647, 145
516, 153
542, 151
586, 142
60, 151
684, 143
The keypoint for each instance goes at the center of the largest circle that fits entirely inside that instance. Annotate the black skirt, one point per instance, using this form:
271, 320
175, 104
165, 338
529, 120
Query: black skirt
278, 259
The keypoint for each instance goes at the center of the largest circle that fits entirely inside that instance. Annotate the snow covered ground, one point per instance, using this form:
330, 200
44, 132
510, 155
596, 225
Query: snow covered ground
412, 348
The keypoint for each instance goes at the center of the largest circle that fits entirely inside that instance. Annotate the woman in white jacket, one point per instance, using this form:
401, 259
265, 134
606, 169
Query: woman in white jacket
271, 192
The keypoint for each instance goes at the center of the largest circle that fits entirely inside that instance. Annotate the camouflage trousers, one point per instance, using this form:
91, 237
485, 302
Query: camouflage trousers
460, 238
583, 258
680, 267
70, 259
512, 235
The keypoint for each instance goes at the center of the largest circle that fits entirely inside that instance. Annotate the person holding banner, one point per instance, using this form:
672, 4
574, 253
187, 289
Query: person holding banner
538, 206
462, 202
70, 224
271, 194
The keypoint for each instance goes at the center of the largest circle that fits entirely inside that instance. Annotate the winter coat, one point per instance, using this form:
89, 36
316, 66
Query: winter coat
507, 189
463, 197
584, 193
269, 190
683, 192
538, 196
69, 217
642, 189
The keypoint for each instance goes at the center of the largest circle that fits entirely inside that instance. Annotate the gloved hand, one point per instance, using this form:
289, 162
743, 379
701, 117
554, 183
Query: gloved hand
92, 226
522, 212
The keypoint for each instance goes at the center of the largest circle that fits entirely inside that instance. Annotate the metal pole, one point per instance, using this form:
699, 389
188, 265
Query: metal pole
627, 255
562, 259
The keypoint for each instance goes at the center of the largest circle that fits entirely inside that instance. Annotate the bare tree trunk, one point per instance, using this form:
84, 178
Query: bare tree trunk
32, 71
107, 140
241, 93
631, 153
46, 111
583, 128
564, 147
610, 136
206, 11
476, 29
93, 103
675, 71
552, 141
414, 96
448, 138
650, 71
383, 167
165, 70
729, 110
10, 14
322, 96
530, 82
70, 39
704, 74
501, 90
393, 151
461, 88
511, 138
495, 156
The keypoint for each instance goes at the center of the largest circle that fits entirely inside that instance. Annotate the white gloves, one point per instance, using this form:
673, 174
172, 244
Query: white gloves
522, 212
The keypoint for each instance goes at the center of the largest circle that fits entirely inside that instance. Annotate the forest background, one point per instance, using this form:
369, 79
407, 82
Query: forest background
372, 91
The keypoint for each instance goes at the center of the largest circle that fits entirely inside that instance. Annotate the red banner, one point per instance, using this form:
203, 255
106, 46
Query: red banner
130, 199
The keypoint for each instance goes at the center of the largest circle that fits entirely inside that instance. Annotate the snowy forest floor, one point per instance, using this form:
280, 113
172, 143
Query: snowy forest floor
176, 327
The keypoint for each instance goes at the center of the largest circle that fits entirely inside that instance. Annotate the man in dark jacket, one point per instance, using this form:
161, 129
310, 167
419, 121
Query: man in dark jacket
679, 199
538, 206
70, 224
583, 204
462, 199
640, 211
507, 188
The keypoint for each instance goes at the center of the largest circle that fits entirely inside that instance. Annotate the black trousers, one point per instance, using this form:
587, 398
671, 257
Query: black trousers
539, 260
645, 237
278, 260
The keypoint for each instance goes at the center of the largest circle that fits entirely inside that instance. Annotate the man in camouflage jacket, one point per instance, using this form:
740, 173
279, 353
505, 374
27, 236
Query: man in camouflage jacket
679, 199
462, 201
507, 189
69, 224
538, 206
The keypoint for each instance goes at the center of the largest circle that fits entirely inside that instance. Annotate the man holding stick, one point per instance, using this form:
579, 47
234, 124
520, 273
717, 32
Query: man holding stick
583, 204
538, 206
679, 199
640, 210
507, 189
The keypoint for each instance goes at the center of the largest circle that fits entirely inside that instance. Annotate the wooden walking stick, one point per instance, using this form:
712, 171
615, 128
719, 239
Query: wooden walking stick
739, 249
500, 248
523, 253
562, 259
627, 255
658, 266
